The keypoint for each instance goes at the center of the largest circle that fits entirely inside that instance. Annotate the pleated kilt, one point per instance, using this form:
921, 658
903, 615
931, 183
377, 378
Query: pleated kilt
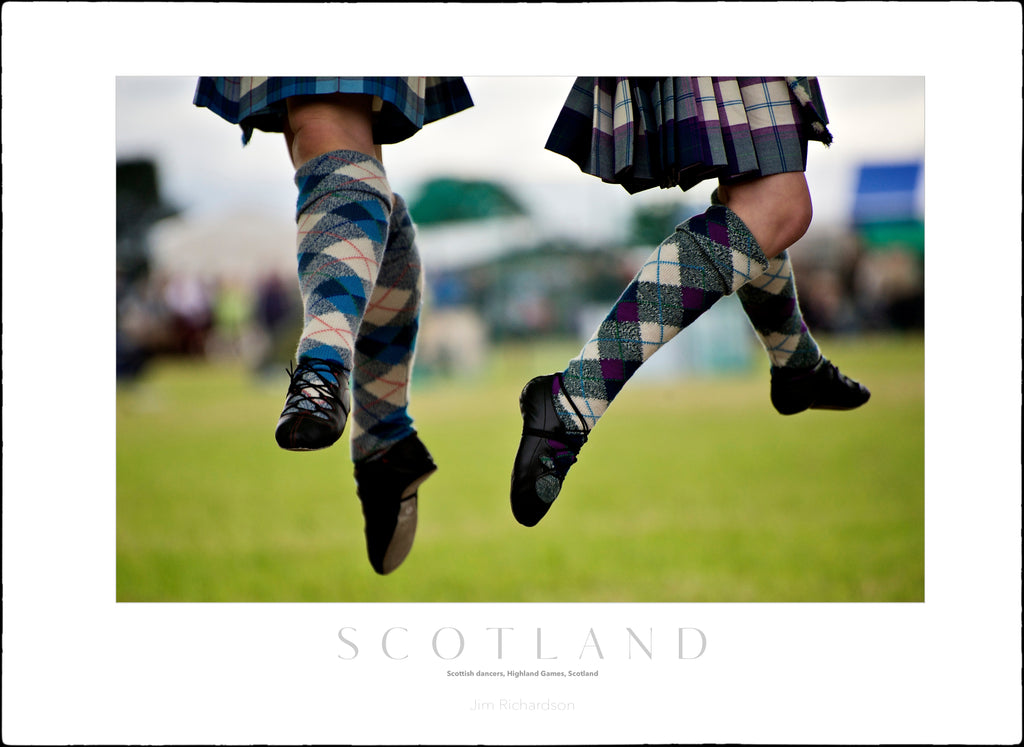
668, 132
402, 105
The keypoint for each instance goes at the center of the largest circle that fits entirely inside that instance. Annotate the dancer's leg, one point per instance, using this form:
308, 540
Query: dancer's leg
385, 346
390, 460
707, 257
801, 377
343, 212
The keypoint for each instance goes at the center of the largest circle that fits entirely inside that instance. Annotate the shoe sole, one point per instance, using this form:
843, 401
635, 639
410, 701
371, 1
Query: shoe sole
311, 448
308, 448
413, 487
411, 491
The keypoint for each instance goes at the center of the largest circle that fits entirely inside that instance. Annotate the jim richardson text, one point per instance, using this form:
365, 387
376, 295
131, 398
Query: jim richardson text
519, 704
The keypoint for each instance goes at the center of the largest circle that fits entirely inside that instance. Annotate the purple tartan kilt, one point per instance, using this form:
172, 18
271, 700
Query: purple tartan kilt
402, 106
667, 132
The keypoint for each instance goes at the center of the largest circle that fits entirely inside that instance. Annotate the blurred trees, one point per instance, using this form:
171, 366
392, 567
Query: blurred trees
139, 206
446, 200
652, 223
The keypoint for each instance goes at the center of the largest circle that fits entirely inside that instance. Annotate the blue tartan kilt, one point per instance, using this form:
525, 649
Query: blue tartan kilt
402, 105
668, 132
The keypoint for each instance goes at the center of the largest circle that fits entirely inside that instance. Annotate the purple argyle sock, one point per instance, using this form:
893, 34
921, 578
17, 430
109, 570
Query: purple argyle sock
708, 256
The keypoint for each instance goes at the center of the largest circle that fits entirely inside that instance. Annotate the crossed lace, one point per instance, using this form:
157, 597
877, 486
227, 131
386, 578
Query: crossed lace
309, 390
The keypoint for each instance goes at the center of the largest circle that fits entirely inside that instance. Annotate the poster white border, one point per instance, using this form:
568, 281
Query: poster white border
80, 668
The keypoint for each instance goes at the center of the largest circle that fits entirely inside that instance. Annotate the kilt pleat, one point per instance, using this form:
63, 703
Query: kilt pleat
402, 105
667, 132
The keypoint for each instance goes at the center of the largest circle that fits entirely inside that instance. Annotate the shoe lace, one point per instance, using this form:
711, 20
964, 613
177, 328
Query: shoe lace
310, 390
579, 415
560, 435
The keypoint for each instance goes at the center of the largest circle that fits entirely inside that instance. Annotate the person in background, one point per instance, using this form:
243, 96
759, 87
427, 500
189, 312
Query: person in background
359, 274
752, 135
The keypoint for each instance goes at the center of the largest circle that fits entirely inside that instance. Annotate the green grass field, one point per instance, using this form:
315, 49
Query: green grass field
694, 491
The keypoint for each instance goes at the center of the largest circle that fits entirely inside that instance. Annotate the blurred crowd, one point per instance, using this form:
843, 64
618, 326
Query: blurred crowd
861, 288
848, 289
163, 315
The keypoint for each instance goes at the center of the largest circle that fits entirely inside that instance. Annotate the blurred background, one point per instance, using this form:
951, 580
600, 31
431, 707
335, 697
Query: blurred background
523, 255
205, 227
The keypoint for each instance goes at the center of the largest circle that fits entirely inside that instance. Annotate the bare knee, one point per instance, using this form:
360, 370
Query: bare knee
796, 218
777, 209
321, 124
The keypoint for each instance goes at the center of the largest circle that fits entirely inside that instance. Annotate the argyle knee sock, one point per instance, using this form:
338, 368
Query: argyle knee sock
773, 309
343, 211
386, 343
709, 256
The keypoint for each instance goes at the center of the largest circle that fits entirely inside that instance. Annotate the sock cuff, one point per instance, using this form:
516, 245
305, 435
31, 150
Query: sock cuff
400, 209
400, 230
728, 244
777, 278
347, 170
741, 238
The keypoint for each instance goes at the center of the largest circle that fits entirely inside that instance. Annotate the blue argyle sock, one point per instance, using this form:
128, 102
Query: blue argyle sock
386, 343
343, 211
709, 256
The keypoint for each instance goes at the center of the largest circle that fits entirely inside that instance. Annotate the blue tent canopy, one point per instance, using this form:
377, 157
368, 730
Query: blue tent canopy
888, 192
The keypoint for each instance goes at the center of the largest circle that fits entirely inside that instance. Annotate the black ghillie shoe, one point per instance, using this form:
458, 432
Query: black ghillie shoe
822, 387
547, 450
315, 410
387, 486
